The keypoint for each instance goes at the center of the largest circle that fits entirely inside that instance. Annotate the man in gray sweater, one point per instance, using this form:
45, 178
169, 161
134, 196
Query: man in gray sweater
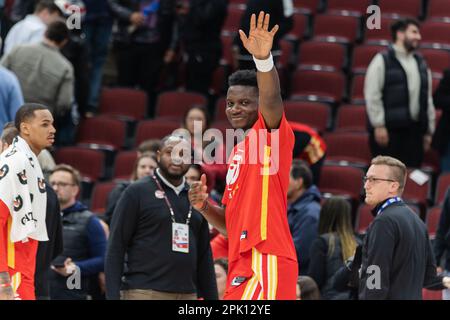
44, 74
398, 94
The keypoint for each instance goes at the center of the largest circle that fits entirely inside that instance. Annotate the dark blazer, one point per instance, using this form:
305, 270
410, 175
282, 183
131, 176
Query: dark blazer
441, 100
398, 251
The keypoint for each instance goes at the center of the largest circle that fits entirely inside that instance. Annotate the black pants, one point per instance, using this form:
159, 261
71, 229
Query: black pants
139, 65
200, 68
405, 145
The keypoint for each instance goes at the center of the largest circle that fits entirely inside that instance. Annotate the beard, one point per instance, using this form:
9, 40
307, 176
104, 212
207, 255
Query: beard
410, 45
173, 176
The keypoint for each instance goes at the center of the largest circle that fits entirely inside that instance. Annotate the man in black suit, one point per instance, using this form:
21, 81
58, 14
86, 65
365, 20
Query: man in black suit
397, 259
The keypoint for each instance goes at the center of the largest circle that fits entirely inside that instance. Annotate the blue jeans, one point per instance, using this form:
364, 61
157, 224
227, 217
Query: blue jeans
445, 160
97, 38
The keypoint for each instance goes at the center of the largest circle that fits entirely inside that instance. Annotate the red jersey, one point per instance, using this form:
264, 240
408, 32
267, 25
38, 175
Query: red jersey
256, 193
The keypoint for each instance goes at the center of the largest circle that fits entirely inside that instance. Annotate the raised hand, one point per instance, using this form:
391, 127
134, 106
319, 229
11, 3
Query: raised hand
260, 39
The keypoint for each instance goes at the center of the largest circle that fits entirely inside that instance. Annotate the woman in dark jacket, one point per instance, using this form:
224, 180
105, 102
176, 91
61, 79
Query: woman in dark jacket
334, 246
441, 138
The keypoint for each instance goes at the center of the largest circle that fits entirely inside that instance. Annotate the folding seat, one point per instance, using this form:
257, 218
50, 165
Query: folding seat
351, 118
431, 162
219, 80
437, 60
321, 55
431, 294
174, 104
438, 9
357, 90
403, 8
363, 218
342, 180
333, 28
219, 113
362, 56
100, 195
435, 34
308, 6
432, 221
124, 103
313, 114
443, 184
352, 7
300, 28
233, 19
102, 133
349, 147
123, 165
287, 51
227, 53
89, 162
154, 129
417, 194
380, 36
323, 86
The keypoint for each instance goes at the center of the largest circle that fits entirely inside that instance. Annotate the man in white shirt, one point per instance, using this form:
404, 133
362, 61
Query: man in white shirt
398, 94
31, 29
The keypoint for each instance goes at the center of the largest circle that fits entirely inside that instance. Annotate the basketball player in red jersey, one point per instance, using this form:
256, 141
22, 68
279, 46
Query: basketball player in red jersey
262, 257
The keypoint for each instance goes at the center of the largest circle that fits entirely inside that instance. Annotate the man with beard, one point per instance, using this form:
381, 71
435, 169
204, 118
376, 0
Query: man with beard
399, 101
165, 240
23, 202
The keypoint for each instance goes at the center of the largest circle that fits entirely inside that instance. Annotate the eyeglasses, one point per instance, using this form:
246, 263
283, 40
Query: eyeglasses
61, 184
373, 179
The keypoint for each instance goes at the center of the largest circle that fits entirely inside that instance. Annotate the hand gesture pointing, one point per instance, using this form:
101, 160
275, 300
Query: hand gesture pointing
260, 39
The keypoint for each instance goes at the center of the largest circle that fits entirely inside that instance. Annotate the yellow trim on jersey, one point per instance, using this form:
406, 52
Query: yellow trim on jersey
272, 266
11, 252
265, 192
16, 279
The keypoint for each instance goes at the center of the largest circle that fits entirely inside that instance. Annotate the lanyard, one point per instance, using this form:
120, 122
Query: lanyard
388, 202
172, 213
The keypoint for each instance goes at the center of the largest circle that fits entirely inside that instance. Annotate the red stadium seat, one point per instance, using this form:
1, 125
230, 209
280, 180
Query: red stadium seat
100, 196
431, 161
89, 162
432, 221
123, 165
227, 53
363, 218
233, 19
320, 86
363, 55
403, 8
443, 184
307, 6
438, 9
102, 133
348, 146
341, 180
351, 118
380, 36
416, 194
299, 29
219, 113
357, 91
154, 129
354, 7
325, 28
435, 34
313, 114
123, 103
174, 104
323, 54
437, 60
431, 294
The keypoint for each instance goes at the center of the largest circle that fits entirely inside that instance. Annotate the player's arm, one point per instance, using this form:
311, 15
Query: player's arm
259, 43
198, 198
6, 292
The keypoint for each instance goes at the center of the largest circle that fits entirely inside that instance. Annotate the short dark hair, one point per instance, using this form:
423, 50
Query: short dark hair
402, 25
76, 176
57, 31
26, 112
9, 133
151, 145
205, 112
223, 262
243, 78
300, 169
47, 4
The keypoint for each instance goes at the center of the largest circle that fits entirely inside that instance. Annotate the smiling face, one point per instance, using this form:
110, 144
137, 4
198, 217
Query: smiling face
39, 131
242, 106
